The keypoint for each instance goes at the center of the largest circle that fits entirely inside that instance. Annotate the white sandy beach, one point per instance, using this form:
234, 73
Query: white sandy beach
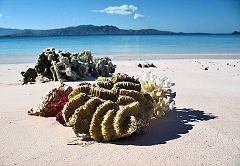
204, 129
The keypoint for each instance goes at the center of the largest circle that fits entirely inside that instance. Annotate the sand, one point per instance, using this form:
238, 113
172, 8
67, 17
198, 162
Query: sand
203, 130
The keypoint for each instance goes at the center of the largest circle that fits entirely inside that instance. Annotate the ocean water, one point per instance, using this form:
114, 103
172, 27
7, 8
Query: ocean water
26, 49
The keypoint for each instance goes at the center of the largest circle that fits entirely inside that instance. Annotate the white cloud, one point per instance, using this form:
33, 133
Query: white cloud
121, 10
1, 15
138, 16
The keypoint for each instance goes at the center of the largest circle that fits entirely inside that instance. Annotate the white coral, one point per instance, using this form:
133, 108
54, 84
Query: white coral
160, 90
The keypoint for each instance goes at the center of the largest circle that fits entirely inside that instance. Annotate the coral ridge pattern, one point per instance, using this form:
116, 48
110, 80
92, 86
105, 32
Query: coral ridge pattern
106, 114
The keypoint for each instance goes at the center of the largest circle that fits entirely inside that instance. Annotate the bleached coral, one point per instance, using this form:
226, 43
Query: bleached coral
62, 66
159, 89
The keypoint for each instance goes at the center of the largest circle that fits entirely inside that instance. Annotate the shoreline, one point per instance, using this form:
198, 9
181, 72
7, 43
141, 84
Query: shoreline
218, 65
174, 56
136, 57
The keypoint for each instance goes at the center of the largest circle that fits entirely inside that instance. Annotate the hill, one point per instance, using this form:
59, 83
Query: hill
236, 33
80, 30
8, 31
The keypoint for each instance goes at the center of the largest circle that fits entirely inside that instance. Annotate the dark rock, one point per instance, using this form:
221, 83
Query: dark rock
146, 65
205, 68
151, 65
29, 76
140, 65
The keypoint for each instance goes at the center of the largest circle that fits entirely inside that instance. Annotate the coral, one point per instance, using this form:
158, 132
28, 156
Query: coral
103, 82
72, 105
127, 114
104, 66
53, 101
29, 76
109, 108
43, 65
85, 88
41, 79
102, 93
60, 118
108, 132
106, 85
105, 113
125, 100
56, 65
146, 65
85, 56
59, 107
119, 77
84, 114
95, 126
128, 86
160, 91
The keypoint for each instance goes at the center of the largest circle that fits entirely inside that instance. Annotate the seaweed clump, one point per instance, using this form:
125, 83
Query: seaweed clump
109, 109
57, 65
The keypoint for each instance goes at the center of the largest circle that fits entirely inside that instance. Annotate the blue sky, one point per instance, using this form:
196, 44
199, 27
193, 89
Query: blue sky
217, 16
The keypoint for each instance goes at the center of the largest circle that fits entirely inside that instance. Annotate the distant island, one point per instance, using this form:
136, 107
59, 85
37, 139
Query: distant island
86, 30
236, 33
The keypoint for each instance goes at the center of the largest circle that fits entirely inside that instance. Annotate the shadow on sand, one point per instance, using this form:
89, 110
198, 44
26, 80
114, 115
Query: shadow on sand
169, 127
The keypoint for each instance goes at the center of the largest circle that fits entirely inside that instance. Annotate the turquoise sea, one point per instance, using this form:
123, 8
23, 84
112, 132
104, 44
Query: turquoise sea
26, 49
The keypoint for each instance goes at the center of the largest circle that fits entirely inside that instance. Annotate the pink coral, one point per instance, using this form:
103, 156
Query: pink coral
53, 102
59, 107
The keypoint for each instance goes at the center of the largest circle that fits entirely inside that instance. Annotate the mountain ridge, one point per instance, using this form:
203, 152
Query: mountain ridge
84, 30
236, 33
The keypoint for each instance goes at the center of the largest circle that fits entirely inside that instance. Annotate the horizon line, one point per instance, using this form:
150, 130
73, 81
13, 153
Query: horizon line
120, 29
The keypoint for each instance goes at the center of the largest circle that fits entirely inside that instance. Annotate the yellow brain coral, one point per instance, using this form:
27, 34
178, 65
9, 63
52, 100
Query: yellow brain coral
109, 109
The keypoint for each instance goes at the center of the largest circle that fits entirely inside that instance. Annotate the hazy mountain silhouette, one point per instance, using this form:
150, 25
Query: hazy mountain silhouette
85, 30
